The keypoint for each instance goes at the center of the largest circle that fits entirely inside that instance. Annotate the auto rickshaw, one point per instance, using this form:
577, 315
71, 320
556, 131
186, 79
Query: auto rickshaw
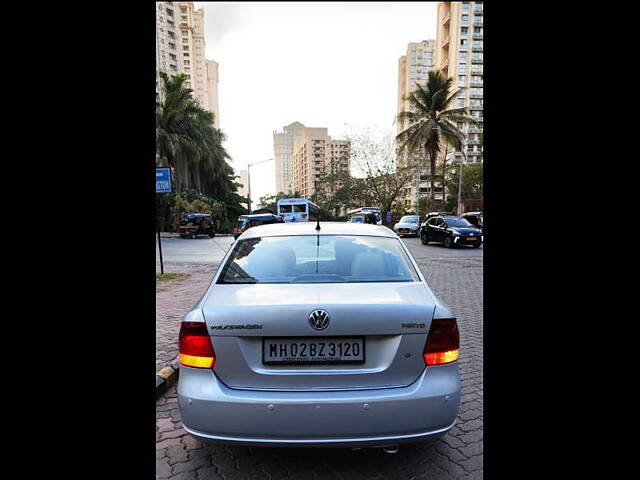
194, 224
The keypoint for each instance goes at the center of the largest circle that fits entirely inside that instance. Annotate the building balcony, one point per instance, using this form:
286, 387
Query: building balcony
477, 21
447, 18
477, 48
445, 41
478, 36
444, 62
476, 95
477, 60
478, 10
476, 84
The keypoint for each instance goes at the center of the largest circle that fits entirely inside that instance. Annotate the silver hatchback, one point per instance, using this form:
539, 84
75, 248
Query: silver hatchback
325, 337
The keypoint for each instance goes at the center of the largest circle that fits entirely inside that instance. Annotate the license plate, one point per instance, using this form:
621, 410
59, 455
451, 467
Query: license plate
305, 351
471, 238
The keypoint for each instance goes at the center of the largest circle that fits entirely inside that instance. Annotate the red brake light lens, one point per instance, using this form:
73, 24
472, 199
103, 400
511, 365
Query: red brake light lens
195, 346
443, 342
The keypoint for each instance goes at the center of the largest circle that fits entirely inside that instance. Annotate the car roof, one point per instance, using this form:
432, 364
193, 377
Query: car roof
326, 228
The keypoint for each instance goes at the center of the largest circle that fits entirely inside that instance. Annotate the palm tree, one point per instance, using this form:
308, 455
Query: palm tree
187, 141
432, 124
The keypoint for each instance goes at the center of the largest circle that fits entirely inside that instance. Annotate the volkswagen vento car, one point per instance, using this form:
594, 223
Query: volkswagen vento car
312, 337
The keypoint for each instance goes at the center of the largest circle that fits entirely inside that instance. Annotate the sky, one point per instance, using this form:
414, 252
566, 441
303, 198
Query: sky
324, 64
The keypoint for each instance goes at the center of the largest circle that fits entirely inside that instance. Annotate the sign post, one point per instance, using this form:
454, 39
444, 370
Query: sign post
388, 218
163, 185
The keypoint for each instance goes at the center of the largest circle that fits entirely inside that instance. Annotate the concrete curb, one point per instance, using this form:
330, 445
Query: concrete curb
166, 377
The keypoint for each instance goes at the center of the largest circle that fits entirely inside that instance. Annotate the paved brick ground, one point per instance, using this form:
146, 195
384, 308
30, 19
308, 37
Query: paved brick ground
457, 280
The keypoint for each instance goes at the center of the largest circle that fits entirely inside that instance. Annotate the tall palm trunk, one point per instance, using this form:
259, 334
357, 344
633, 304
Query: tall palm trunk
432, 177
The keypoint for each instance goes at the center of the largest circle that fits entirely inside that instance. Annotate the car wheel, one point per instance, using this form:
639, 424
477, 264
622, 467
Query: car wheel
192, 235
448, 242
424, 239
183, 235
477, 244
212, 234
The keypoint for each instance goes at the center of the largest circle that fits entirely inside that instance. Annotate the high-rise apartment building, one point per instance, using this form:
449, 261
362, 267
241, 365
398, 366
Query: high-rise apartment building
283, 153
459, 54
180, 49
315, 154
168, 48
243, 191
414, 68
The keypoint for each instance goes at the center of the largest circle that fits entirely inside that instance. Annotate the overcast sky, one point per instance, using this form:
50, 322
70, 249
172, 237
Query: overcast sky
322, 64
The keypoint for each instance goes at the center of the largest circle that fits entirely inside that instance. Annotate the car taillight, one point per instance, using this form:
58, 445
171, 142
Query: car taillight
195, 346
443, 342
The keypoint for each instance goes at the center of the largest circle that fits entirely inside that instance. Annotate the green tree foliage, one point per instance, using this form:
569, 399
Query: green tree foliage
472, 184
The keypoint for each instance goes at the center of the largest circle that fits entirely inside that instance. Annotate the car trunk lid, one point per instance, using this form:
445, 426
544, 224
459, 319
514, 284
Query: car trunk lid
391, 318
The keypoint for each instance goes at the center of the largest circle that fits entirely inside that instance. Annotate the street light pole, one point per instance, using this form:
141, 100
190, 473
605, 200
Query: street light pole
249, 165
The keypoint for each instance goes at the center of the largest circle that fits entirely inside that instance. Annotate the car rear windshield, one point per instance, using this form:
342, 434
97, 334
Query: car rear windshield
318, 259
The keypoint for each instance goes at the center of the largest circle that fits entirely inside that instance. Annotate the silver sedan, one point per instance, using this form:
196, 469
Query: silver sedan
326, 337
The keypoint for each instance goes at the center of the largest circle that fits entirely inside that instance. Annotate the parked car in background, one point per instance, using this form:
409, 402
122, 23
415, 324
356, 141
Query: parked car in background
435, 214
194, 224
245, 222
368, 212
318, 338
364, 217
408, 225
474, 218
450, 230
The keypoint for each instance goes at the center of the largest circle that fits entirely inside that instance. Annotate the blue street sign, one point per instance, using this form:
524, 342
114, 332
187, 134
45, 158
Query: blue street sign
388, 217
163, 180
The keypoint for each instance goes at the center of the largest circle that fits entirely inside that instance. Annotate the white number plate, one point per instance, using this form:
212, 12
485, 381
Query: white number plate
301, 351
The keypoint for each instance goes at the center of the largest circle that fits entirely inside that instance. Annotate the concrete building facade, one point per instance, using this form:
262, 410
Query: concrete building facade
283, 143
315, 153
244, 180
459, 54
180, 49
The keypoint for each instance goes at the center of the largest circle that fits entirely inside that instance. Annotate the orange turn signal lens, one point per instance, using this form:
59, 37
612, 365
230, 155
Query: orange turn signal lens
195, 361
438, 358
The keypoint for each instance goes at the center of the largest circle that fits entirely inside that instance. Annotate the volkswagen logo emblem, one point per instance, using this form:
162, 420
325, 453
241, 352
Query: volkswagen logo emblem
319, 319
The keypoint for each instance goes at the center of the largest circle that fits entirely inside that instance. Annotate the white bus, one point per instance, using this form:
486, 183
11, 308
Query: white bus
297, 210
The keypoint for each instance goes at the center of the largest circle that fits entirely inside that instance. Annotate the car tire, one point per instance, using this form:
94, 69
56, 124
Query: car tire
212, 234
448, 242
184, 236
424, 239
477, 244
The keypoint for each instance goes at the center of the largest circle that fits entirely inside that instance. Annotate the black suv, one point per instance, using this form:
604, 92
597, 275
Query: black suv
450, 230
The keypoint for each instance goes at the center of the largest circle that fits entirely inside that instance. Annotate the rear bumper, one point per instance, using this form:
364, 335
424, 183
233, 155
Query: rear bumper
421, 411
